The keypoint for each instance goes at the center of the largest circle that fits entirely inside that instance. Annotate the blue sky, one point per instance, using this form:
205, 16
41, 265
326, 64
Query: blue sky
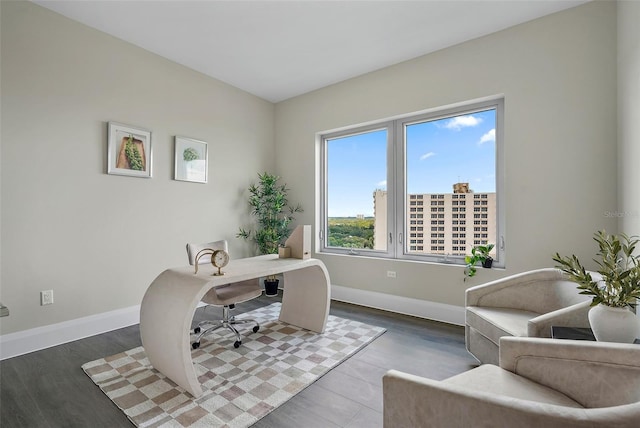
439, 154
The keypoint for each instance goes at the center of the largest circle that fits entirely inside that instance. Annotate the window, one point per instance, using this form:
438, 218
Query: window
373, 176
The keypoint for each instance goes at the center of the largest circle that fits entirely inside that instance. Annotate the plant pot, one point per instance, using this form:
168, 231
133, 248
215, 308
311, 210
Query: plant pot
487, 263
611, 324
271, 287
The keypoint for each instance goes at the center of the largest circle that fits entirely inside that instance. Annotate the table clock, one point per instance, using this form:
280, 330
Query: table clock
219, 259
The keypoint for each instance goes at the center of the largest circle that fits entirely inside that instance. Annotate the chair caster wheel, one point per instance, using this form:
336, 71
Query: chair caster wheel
237, 344
256, 328
196, 330
196, 345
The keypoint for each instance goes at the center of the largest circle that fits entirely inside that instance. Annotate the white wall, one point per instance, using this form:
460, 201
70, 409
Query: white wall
98, 240
558, 77
628, 116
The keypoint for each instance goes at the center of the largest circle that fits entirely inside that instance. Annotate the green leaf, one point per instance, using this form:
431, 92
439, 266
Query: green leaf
618, 267
269, 205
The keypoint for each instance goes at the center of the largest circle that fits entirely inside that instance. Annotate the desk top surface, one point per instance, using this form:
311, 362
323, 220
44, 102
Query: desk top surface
246, 268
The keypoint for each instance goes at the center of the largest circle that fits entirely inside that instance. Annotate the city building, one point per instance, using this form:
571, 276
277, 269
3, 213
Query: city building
442, 223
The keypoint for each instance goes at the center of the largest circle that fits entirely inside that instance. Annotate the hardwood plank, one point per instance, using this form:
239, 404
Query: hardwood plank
16, 402
328, 405
351, 388
294, 414
366, 418
362, 370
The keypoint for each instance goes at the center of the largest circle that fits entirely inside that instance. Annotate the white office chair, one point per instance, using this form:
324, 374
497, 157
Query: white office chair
226, 296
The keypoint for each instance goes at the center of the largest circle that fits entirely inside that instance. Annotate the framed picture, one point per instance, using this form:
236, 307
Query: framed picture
129, 151
192, 158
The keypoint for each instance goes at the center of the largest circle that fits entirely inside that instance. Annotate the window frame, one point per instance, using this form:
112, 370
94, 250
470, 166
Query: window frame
398, 221
324, 218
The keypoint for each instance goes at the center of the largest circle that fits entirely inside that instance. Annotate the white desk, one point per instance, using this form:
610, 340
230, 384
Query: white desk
170, 301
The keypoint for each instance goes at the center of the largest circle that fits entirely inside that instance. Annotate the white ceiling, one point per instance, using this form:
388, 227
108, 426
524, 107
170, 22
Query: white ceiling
279, 49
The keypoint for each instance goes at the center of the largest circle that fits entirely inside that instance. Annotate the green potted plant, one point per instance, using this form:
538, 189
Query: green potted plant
270, 207
614, 289
479, 253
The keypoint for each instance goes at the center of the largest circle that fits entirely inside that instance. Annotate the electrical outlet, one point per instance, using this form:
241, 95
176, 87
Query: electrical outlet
391, 274
46, 297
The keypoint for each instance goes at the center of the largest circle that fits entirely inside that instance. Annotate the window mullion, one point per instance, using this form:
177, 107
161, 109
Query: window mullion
399, 214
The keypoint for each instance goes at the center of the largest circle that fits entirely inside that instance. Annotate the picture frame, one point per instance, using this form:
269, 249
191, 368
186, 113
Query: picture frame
191, 160
129, 151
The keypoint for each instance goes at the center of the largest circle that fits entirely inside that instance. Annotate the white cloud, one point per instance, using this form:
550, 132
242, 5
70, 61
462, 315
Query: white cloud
427, 155
459, 122
382, 183
489, 137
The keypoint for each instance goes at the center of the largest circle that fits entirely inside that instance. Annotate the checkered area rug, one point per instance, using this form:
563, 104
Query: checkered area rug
240, 385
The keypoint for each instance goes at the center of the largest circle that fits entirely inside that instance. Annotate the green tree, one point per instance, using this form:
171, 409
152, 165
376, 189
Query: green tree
351, 232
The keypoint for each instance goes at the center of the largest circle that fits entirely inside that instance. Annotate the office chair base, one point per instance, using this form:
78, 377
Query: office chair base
196, 345
226, 322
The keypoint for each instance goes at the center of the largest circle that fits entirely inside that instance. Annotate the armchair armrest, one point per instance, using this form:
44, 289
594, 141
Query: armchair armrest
512, 291
572, 316
414, 401
595, 374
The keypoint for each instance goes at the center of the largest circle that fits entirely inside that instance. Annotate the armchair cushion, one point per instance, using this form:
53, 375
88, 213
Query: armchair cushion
497, 322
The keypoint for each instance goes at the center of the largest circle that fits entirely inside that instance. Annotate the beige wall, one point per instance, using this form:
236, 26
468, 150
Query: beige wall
98, 240
558, 77
628, 116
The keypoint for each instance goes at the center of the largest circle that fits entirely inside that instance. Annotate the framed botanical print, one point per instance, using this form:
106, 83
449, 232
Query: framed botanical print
191, 160
129, 151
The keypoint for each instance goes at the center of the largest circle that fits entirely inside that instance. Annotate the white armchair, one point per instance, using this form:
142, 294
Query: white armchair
540, 383
524, 305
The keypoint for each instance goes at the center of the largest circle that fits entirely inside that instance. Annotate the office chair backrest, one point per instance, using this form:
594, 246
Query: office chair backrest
194, 249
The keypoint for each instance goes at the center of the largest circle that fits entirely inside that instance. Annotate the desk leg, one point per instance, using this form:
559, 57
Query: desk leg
166, 313
306, 299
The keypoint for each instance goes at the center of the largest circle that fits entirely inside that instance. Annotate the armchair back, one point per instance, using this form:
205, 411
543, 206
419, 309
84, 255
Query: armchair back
594, 374
540, 291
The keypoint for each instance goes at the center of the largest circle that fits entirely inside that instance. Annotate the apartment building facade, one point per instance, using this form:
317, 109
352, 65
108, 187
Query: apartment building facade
442, 223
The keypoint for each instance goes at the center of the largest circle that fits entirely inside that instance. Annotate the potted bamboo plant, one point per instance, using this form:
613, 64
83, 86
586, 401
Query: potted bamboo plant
614, 288
270, 206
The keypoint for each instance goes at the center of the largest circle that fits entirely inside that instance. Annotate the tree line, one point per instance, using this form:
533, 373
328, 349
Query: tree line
350, 232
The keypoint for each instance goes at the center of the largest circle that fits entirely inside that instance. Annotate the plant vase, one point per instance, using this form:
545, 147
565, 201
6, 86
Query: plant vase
271, 287
487, 263
611, 324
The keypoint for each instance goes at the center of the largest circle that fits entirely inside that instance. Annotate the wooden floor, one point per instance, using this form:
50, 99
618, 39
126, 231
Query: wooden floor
49, 389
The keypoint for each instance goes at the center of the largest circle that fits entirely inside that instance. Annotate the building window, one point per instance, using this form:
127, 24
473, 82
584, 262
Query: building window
372, 177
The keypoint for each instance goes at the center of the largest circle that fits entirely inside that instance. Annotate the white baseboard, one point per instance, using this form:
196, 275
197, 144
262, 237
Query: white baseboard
403, 305
35, 339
